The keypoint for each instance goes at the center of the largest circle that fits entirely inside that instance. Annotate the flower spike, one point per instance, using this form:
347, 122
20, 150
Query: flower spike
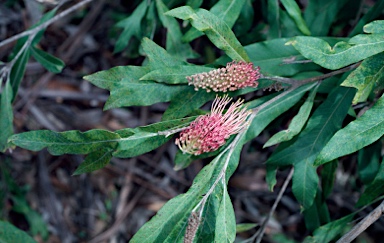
236, 75
209, 132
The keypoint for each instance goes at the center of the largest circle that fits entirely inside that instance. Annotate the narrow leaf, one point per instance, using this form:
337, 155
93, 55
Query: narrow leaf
6, 115
18, 70
226, 10
304, 183
273, 19
363, 131
328, 176
174, 74
70, 142
295, 13
368, 162
225, 230
366, 77
215, 29
373, 13
373, 190
50, 62
296, 124
244, 227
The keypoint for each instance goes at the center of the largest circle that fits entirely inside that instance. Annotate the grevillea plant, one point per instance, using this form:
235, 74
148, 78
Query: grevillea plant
330, 87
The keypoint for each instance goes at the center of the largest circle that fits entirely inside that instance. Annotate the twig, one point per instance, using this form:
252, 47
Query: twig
45, 24
310, 80
363, 224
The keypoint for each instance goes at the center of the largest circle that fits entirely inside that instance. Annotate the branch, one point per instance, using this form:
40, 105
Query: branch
363, 224
45, 24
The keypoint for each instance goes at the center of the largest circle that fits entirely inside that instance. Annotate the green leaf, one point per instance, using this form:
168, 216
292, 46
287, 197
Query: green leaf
132, 26
215, 29
295, 13
368, 162
368, 75
141, 140
270, 177
174, 74
320, 14
328, 232
374, 27
269, 113
373, 13
11, 234
18, 70
226, 10
6, 115
174, 44
328, 175
225, 230
142, 93
94, 161
325, 121
70, 142
373, 190
169, 224
296, 124
158, 57
244, 227
304, 183
363, 131
114, 77
273, 55
343, 53
273, 19
243, 25
51, 63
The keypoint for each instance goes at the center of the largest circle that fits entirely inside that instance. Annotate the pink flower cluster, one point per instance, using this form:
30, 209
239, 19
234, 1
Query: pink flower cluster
209, 132
236, 75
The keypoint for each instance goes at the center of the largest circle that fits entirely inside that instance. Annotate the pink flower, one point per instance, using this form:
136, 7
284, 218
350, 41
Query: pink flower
236, 75
209, 132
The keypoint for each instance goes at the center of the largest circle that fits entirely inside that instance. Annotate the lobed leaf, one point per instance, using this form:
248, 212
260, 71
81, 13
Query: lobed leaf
215, 29
343, 53
363, 131
366, 77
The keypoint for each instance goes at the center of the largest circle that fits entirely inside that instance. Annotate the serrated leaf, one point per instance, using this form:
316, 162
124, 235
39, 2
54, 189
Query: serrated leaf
320, 14
94, 161
363, 131
269, 113
174, 45
142, 93
296, 124
116, 76
174, 74
373, 190
342, 54
131, 25
215, 29
295, 13
6, 115
368, 75
226, 10
11, 234
70, 142
50, 62
272, 55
